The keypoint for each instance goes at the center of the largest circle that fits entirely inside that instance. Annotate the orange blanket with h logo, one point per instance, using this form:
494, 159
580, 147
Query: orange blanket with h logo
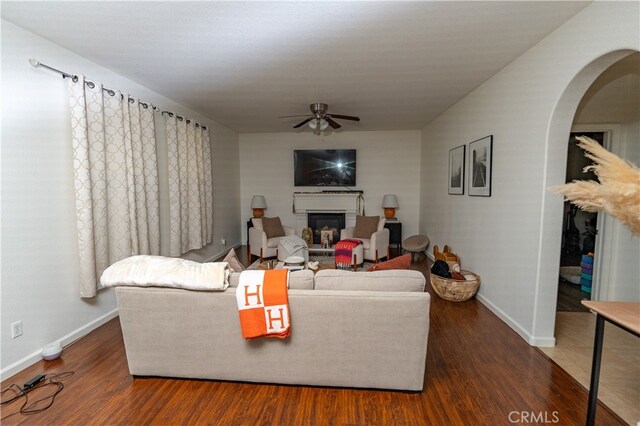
263, 303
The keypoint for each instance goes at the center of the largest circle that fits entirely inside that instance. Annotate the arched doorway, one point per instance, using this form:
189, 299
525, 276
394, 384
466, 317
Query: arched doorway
555, 168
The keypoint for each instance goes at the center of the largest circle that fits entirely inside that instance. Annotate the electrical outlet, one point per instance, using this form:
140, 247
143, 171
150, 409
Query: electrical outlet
16, 329
223, 241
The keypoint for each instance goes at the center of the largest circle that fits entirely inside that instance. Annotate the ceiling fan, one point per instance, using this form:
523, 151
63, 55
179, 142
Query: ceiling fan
320, 119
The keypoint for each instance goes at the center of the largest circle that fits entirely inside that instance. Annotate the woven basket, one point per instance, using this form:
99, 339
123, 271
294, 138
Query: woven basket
455, 290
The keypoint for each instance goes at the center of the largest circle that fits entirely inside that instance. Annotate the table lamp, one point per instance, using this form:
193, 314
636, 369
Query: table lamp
390, 204
258, 204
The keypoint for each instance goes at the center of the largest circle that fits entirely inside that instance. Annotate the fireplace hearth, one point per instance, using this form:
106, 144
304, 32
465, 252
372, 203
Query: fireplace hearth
326, 220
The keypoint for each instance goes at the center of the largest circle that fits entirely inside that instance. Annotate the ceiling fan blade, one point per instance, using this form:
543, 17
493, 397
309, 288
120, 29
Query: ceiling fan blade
332, 123
290, 116
344, 117
303, 122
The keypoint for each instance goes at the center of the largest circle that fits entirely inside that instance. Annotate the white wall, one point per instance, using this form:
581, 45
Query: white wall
505, 238
39, 254
388, 162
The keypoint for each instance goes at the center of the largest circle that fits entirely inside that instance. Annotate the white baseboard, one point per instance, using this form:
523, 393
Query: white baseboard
532, 340
64, 341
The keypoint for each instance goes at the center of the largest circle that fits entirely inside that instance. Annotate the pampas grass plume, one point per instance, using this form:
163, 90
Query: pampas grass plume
618, 189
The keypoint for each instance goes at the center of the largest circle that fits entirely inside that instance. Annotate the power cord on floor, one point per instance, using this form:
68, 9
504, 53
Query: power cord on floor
53, 381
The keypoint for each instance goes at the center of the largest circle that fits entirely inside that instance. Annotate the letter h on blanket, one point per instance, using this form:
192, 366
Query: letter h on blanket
263, 303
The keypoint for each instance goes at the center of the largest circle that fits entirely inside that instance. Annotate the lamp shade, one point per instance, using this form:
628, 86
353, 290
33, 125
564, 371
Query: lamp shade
321, 122
258, 202
390, 201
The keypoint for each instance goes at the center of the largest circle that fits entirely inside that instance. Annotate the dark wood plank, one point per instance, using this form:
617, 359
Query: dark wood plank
478, 372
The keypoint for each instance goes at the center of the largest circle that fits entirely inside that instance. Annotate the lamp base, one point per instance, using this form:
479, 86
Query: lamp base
389, 212
258, 212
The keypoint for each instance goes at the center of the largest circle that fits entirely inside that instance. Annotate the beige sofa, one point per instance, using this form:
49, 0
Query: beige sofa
351, 329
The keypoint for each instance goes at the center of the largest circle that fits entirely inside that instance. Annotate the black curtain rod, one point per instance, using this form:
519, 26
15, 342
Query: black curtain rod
35, 63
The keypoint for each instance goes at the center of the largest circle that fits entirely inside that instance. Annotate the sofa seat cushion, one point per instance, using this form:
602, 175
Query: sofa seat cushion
395, 280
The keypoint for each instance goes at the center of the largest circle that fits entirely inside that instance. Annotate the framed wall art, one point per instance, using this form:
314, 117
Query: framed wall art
480, 164
456, 170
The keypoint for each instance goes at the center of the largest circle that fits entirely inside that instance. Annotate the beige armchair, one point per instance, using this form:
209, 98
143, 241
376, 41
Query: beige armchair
375, 247
260, 245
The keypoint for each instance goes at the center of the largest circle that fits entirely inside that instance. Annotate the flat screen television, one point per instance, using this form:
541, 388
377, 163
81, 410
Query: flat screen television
324, 167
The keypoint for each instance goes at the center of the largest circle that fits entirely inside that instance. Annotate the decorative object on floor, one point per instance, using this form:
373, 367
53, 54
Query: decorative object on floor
400, 262
326, 237
447, 255
307, 236
344, 253
390, 204
480, 164
456, 290
415, 244
263, 304
258, 204
441, 269
617, 191
456, 170
52, 351
586, 272
234, 263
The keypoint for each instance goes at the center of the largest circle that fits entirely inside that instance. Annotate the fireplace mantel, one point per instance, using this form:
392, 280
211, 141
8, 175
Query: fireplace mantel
348, 202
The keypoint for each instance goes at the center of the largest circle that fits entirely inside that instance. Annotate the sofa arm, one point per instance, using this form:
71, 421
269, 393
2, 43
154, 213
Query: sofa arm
380, 242
257, 240
347, 233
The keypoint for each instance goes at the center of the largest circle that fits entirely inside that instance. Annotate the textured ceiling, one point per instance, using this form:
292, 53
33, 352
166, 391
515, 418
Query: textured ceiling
397, 65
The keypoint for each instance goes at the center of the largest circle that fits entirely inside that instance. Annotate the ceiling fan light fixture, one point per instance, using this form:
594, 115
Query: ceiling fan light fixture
319, 124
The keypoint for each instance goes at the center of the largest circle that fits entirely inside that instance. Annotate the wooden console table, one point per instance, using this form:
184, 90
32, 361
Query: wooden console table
625, 315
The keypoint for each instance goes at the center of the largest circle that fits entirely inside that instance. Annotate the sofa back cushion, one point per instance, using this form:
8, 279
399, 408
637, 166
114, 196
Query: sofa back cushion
298, 280
396, 280
365, 226
272, 227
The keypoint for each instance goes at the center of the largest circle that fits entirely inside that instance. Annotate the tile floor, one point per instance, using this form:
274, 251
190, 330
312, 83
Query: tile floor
620, 369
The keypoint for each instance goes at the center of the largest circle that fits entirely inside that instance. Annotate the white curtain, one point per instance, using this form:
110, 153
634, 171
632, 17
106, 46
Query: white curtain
116, 179
190, 185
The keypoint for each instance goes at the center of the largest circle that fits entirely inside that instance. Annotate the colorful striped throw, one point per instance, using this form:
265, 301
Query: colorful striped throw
344, 253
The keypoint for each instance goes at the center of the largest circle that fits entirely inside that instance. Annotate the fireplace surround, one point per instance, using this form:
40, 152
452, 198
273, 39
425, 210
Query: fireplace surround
347, 204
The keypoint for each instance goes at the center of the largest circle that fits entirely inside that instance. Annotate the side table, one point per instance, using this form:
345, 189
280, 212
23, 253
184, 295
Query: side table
395, 232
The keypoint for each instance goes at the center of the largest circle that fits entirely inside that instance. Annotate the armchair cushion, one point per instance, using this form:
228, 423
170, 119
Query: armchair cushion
272, 227
365, 226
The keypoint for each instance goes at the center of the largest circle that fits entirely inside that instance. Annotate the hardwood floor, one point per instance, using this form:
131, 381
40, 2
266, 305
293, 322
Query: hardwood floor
478, 371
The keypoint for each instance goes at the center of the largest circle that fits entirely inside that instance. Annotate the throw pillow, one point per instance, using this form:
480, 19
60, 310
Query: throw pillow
234, 263
400, 262
365, 226
272, 227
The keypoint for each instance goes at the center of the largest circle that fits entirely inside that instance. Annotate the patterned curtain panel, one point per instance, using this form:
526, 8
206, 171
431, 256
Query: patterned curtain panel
116, 179
190, 185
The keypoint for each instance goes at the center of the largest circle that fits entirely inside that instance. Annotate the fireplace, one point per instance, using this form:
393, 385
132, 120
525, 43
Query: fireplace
326, 220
